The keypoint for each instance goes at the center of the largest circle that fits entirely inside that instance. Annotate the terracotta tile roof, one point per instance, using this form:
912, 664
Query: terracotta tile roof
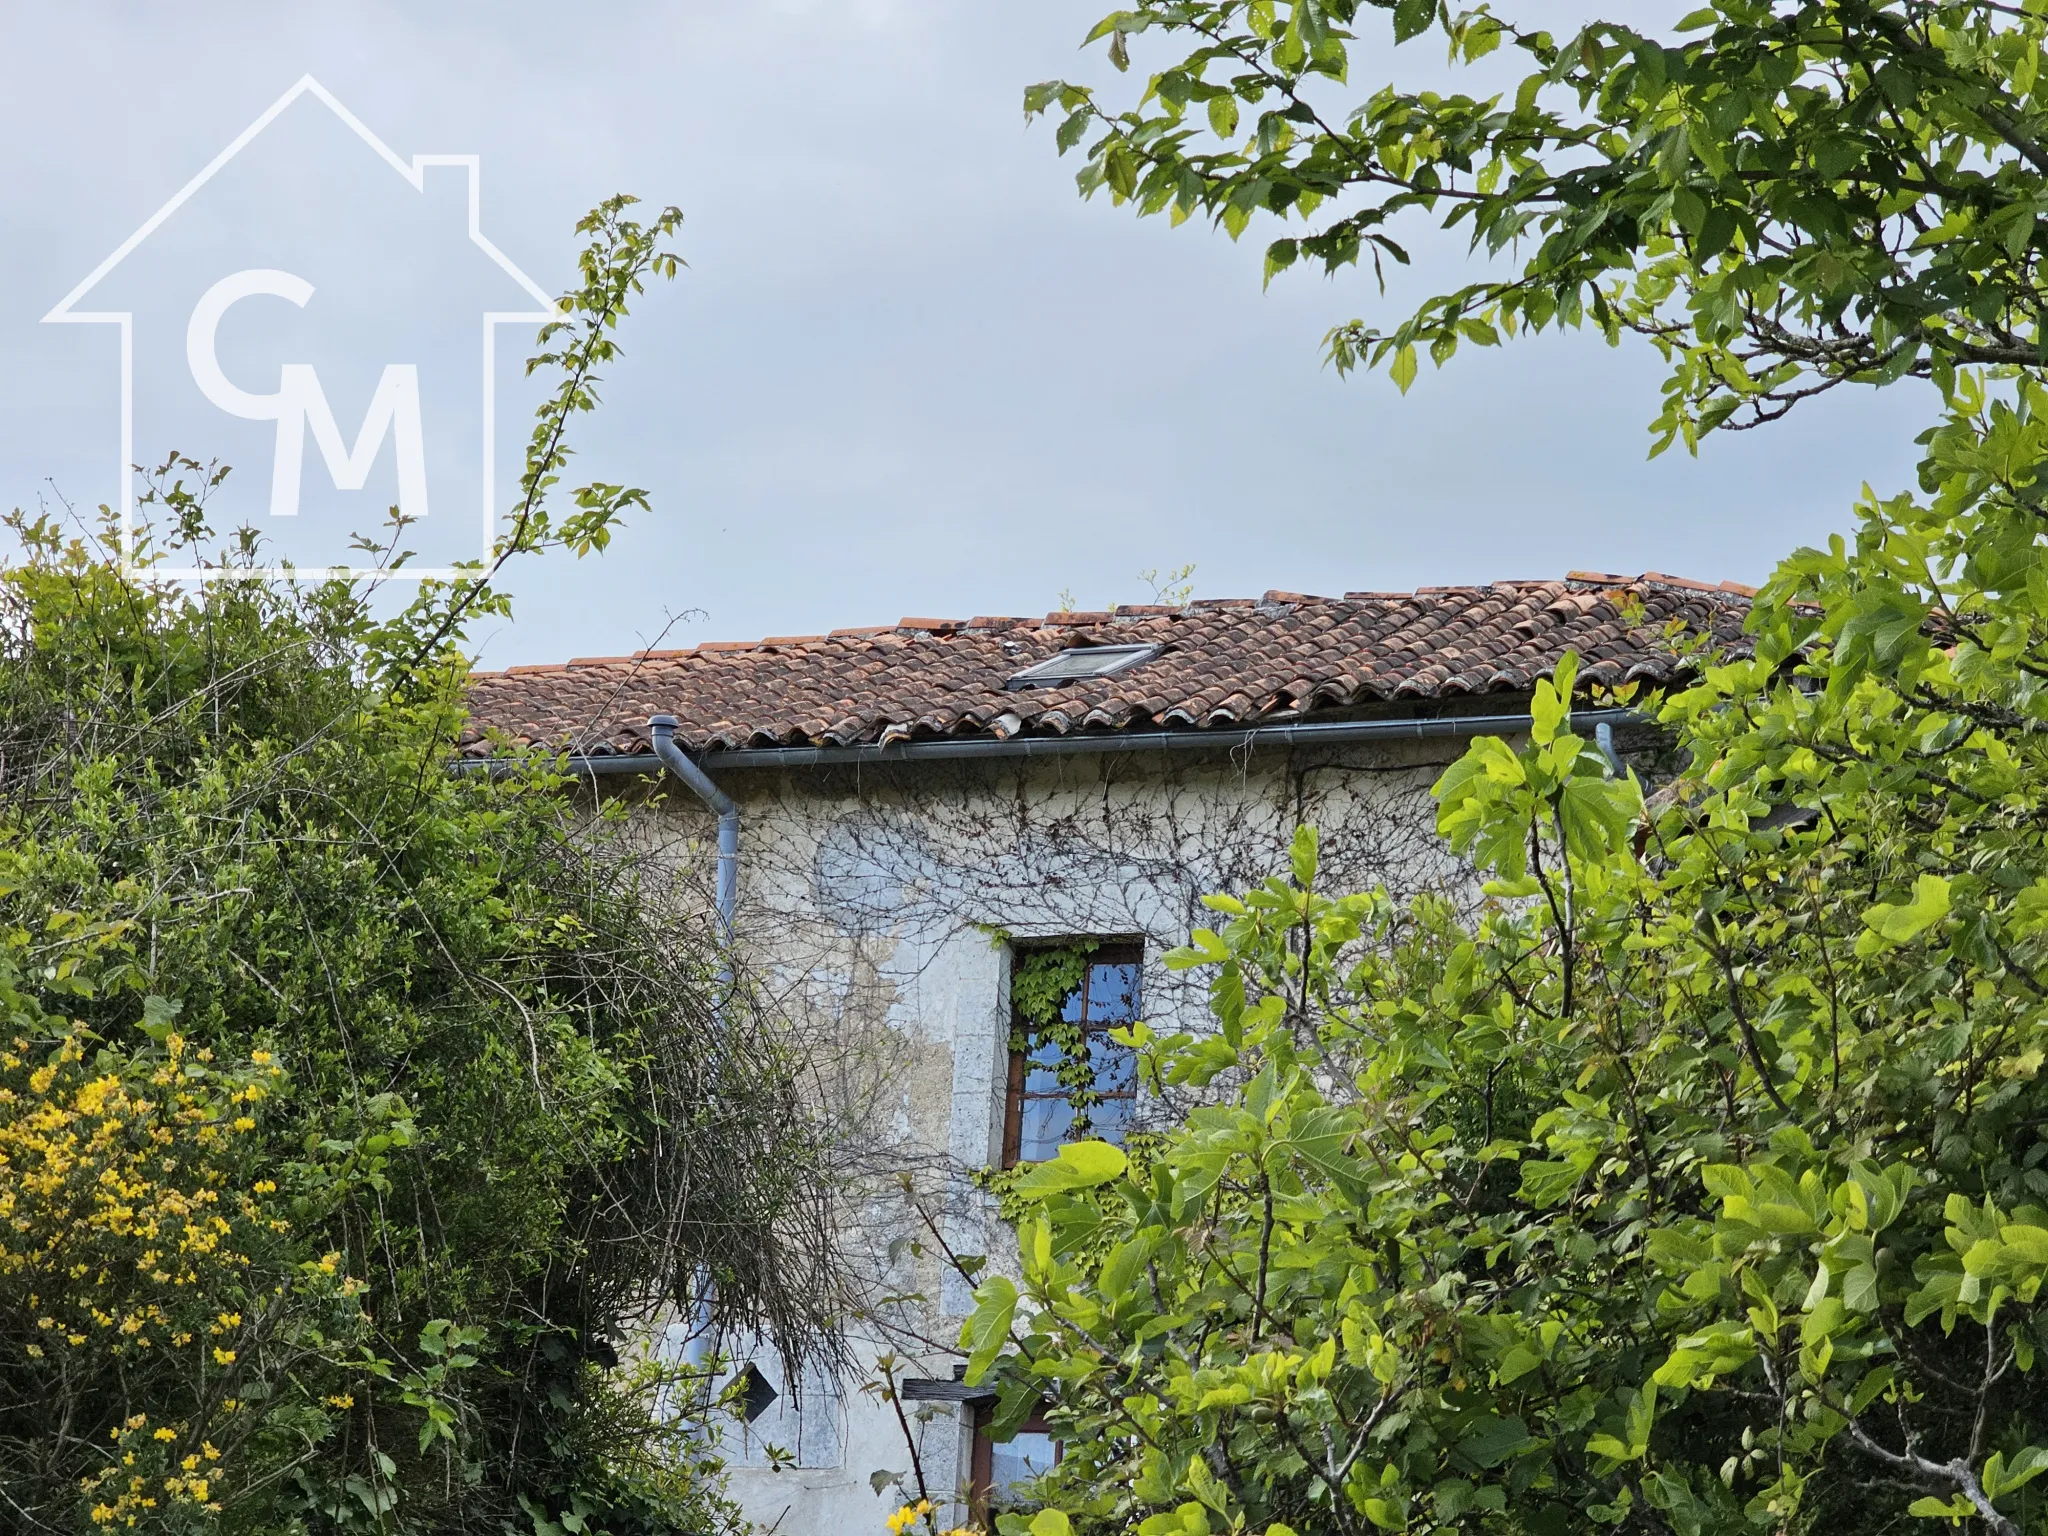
1225, 662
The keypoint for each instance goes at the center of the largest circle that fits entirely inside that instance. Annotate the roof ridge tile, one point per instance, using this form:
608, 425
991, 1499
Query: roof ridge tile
1685, 582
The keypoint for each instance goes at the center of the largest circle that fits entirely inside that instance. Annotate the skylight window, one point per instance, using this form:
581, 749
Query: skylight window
1081, 663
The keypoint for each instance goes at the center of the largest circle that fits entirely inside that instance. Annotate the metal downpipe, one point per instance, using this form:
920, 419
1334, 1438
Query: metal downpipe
662, 730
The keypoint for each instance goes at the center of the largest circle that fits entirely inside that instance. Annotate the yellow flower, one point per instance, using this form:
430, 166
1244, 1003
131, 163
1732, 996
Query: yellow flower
909, 1515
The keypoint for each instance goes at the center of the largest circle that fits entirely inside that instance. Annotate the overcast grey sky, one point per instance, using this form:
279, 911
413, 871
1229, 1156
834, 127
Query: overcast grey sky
908, 371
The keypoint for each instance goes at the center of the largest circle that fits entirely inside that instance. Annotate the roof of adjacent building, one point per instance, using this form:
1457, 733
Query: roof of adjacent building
1224, 663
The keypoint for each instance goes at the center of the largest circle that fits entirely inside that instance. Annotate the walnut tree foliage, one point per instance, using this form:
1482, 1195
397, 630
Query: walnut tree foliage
1697, 1183
356, 1116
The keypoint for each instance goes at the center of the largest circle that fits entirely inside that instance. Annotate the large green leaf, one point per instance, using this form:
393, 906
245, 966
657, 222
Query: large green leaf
1078, 1165
987, 1330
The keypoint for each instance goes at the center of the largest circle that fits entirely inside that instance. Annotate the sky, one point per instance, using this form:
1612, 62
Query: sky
908, 371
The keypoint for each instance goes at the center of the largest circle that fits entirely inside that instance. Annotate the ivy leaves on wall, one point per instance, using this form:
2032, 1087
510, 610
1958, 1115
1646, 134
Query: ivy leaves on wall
1042, 983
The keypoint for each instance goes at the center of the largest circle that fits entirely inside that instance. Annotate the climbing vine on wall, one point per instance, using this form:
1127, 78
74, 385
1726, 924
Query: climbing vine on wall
863, 879
1041, 982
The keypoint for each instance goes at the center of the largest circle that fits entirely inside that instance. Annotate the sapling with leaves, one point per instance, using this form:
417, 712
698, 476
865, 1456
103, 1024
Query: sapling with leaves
917, 1512
621, 255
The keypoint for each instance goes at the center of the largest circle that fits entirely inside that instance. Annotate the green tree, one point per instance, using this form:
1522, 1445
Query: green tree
1695, 1186
1781, 197
356, 1116
1695, 1182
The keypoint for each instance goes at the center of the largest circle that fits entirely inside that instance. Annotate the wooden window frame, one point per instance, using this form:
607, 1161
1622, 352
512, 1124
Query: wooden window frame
981, 1472
1108, 952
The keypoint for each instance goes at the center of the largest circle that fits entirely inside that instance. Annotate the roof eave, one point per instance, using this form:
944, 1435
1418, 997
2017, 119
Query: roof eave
1095, 743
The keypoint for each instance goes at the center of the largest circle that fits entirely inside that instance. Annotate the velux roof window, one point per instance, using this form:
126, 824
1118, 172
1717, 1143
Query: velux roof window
1081, 663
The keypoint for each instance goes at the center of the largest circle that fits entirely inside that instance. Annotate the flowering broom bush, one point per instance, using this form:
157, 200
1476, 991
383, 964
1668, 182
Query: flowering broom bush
144, 1233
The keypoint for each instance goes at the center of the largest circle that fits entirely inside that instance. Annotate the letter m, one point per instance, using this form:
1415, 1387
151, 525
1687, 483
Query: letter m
395, 408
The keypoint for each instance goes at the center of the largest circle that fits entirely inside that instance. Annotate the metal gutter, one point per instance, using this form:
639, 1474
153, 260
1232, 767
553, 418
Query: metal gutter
1307, 733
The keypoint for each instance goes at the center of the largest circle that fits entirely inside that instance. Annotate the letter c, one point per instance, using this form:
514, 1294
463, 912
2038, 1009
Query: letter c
206, 317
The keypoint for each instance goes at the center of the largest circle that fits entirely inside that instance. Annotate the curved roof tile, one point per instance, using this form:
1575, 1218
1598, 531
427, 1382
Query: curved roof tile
1226, 662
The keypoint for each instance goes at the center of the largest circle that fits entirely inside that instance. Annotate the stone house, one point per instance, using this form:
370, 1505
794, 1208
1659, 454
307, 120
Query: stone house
924, 807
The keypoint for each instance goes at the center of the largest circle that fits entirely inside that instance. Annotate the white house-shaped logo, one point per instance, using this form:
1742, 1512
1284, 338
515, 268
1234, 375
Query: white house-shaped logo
321, 300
